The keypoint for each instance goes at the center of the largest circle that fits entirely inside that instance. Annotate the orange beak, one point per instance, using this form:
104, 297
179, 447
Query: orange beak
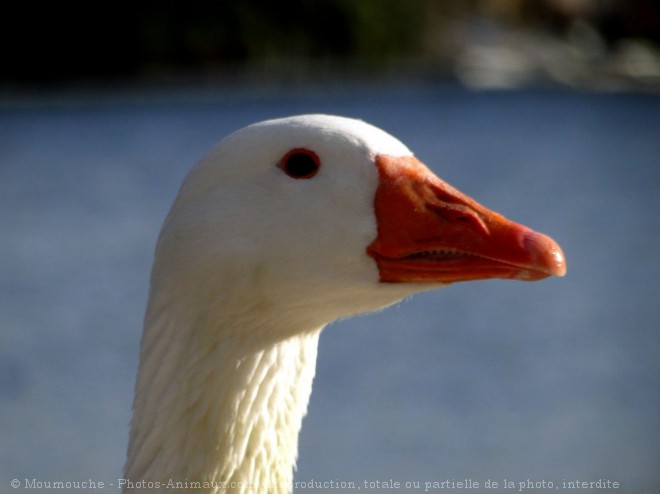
430, 232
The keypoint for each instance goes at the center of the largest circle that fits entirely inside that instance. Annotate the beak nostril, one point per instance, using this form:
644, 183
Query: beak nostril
459, 213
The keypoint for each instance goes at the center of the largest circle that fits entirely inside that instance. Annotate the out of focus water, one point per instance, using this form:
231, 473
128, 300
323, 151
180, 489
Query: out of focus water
491, 380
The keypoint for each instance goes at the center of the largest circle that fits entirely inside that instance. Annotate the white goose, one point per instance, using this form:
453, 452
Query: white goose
284, 227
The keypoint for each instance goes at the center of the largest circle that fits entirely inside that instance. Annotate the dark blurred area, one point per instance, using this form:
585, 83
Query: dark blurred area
482, 43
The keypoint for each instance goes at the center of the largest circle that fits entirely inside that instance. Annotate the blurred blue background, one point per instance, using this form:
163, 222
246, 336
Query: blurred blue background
543, 381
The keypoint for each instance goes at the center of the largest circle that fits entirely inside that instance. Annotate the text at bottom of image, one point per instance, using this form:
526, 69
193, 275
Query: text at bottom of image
525, 485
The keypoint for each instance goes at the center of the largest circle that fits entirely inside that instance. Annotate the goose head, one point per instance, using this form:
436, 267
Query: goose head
285, 226
317, 217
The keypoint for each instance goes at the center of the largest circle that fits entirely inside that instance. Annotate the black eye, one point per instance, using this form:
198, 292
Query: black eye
300, 163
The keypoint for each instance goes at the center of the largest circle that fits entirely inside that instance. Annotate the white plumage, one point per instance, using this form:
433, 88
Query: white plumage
254, 259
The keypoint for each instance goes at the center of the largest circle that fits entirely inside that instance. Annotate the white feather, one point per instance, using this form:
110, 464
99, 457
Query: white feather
250, 266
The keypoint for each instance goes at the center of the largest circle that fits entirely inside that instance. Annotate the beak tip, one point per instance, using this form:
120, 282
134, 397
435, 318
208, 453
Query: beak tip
560, 262
548, 255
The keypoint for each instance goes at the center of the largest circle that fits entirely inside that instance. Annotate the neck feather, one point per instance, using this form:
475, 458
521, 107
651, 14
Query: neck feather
216, 409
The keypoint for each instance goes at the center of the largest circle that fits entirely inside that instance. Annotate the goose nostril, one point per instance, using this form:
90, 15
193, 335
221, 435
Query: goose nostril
459, 213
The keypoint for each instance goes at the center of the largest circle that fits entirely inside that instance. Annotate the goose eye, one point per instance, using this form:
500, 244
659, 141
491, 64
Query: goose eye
300, 163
